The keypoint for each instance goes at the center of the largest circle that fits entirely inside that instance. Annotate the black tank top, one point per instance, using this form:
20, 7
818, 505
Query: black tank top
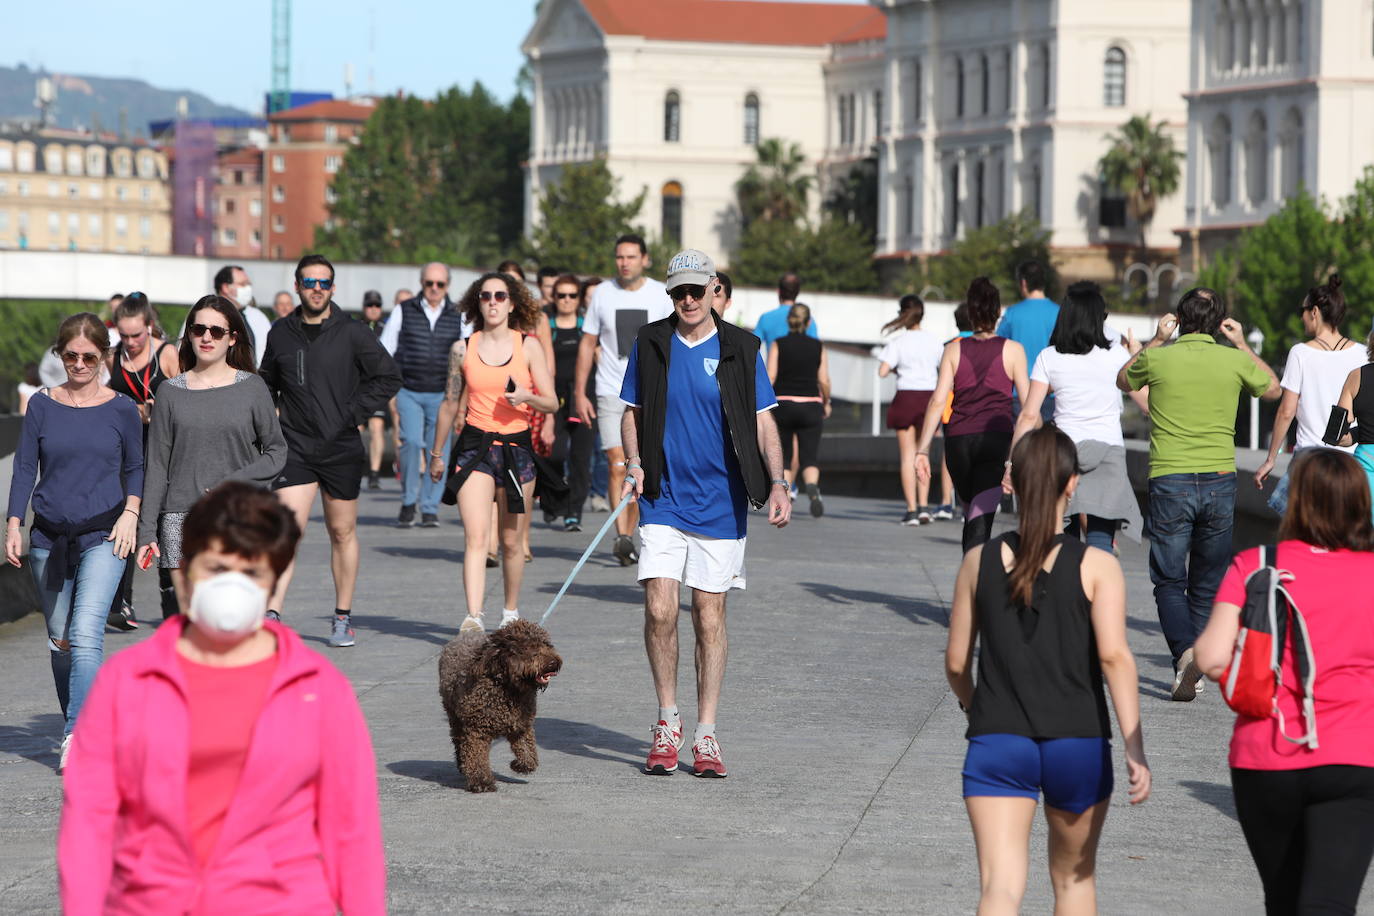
140, 385
1363, 406
1038, 671
799, 359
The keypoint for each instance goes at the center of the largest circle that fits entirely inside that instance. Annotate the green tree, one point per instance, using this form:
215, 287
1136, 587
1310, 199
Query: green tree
776, 187
993, 252
834, 256
581, 215
854, 198
1143, 165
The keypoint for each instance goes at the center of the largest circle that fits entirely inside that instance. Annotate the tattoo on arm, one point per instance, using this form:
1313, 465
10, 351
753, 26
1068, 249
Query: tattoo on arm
454, 391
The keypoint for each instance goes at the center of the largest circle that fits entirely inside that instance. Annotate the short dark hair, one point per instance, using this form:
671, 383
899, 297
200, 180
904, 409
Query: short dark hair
984, 304
1328, 501
726, 282
961, 317
545, 273
576, 284
633, 238
1033, 274
1200, 311
311, 260
225, 276
247, 521
1079, 327
510, 266
789, 286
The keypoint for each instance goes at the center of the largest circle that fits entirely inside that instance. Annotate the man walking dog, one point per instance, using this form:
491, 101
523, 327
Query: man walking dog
695, 384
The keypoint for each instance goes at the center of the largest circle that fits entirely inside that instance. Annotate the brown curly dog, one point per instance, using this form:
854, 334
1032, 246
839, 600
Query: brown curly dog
488, 683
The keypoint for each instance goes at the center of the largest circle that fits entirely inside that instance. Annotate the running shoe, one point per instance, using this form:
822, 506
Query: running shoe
429, 520
342, 635
407, 517
944, 512
1187, 678
550, 517
923, 516
492, 561
471, 624
508, 619
792, 492
667, 741
598, 503
273, 615
374, 480
572, 524
624, 550
813, 492
62, 754
911, 519
123, 619
706, 758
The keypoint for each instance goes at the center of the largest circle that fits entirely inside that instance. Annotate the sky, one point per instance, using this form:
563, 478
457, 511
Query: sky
419, 46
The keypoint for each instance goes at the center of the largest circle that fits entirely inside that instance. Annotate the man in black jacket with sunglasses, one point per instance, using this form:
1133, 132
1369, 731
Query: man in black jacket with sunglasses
329, 374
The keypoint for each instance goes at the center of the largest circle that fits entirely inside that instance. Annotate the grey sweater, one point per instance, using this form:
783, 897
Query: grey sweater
197, 439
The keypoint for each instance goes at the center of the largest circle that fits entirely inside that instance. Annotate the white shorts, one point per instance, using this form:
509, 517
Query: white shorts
608, 414
704, 563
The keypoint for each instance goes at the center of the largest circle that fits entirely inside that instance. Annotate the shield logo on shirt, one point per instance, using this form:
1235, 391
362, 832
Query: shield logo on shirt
710, 364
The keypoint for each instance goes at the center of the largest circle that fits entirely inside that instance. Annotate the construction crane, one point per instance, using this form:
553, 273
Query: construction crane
281, 56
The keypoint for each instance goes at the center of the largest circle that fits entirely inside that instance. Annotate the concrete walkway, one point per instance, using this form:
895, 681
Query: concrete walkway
843, 744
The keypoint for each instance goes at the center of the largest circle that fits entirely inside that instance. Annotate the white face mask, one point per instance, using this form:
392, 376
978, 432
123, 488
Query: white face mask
244, 297
230, 604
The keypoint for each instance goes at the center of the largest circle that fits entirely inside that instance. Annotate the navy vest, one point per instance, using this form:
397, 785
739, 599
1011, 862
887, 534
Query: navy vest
422, 352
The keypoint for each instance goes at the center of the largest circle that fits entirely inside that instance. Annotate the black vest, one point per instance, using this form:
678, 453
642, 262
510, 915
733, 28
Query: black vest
422, 352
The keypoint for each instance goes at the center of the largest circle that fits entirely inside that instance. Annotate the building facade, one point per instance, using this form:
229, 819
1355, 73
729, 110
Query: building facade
1267, 78
238, 210
76, 191
676, 103
305, 150
1001, 107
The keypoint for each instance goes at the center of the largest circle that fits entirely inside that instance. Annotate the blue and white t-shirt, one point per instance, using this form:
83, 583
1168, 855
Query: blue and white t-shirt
699, 463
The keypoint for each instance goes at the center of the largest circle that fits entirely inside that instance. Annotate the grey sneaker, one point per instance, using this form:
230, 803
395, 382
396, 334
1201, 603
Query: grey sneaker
813, 493
598, 504
407, 517
342, 635
63, 752
624, 550
1187, 678
429, 520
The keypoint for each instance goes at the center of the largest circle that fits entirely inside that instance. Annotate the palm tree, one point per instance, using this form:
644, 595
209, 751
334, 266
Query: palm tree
1143, 165
775, 188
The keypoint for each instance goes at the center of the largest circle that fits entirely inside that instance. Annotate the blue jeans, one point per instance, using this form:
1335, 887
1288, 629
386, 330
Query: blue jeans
1100, 531
76, 615
1190, 546
419, 414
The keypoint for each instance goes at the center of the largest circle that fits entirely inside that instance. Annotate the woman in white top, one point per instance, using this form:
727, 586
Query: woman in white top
914, 355
1080, 367
1312, 379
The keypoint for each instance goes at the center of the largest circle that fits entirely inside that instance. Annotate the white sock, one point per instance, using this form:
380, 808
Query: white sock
510, 614
669, 714
704, 730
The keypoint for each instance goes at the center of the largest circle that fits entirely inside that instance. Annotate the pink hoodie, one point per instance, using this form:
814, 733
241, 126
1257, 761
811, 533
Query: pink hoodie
302, 835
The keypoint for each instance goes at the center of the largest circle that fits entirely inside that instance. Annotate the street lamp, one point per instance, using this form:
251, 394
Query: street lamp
1256, 340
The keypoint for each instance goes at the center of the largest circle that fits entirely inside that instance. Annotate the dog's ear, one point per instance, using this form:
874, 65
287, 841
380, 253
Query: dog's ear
488, 662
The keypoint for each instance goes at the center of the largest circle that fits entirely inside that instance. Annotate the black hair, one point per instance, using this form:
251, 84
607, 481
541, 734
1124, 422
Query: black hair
1079, 327
961, 317
632, 238
1200, 311
789, 286
1032, 273
1326, 299
726, 282
311, 260
240, 354
225, 276
546, 273
509, 266
984, 304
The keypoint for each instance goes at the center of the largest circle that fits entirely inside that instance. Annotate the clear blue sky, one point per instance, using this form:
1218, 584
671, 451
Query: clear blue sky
224, 51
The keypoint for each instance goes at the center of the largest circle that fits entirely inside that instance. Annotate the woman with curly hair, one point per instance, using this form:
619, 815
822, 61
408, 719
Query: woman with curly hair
500, 368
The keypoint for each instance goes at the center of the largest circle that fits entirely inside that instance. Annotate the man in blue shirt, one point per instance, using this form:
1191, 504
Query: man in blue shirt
772, 324
1031, 321
701, 447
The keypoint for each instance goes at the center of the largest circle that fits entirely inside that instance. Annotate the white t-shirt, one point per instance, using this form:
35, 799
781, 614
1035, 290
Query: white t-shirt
1316, 376
1087, 403
915, 356
616, 315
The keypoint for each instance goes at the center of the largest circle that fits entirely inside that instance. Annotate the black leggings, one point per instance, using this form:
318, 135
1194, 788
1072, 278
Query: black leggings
1311, 834
125, 593
573, 442
977, 462
804, 419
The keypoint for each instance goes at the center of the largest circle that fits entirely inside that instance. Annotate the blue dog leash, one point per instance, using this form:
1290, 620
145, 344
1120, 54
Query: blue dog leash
586, 554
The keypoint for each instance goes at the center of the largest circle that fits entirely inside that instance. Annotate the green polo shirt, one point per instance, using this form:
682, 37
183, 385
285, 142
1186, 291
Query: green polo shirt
1195, 385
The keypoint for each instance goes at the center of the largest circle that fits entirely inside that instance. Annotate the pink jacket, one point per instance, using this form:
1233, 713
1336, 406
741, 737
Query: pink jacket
302, 835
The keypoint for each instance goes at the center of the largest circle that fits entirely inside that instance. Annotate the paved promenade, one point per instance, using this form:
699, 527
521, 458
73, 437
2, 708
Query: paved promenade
842, 741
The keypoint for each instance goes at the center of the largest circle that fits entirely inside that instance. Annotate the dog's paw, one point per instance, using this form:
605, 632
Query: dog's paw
481, 786
521, 766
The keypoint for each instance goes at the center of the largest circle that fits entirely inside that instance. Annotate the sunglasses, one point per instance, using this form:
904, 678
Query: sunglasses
500, 295
565, 295
308, 283
694, 290
90, 360
215, 331
436, 284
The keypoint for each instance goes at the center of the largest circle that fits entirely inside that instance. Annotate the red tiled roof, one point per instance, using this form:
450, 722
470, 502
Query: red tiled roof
246, 156
327, 110
749, 21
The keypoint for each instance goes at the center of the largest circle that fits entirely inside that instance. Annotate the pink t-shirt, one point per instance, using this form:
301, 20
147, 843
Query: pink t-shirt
1331, 589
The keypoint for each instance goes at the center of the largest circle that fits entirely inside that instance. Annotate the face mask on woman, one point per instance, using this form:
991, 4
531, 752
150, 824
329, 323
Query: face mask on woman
229, 604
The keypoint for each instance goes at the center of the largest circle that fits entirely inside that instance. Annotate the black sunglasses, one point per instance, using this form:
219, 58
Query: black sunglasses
437, 284
565, 295
697, 292
215, 331
309, 283
487, 295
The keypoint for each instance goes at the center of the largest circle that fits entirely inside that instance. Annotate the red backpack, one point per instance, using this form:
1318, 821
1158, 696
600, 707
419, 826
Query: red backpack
1270, 626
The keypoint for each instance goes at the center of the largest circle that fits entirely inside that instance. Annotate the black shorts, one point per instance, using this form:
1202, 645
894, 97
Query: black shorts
340, 477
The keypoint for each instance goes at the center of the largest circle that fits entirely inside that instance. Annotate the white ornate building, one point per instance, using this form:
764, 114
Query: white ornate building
1268, 78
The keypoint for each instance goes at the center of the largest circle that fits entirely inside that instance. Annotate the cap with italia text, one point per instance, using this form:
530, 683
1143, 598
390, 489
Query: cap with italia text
689, 267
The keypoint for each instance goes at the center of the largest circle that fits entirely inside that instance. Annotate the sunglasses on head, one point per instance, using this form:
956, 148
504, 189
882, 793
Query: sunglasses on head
215, 331
487, 295
71, 357
310, 283
436, 284
694, 290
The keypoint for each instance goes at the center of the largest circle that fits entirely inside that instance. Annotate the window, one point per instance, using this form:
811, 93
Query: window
877, 113
4, 188
1035, 192
331, 164
278, 223
672, 118
1291, 153
54, 222
95, 190
1257, 160
1006, 80
255, 207
1045, 76
228, 205
145, 193
73, 224
1219, 156
122, 166
751, 119
1111, 206
6, 158
917, 88
95, 162
23, 189
145, 226
1114, 78
278, 164
257, 237
23, 158
952, 202
74, 191
228, 237
330, 195
959, 87
908, 207
121, 193
331, 133
121, 224
980, 193
93, 224
54, 189
73, 162
985, 82
278, 194
52, 160
4, 221
671, 224
147, 167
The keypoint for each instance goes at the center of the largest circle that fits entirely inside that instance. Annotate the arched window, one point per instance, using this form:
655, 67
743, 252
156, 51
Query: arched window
1219, 154
958, 87
1257, 160
672, 118
1244, 35
985, 82
916, 89
1045, 76
671, 224
1114, 78
1291, 153
1006, 80
751, 119
1222, 44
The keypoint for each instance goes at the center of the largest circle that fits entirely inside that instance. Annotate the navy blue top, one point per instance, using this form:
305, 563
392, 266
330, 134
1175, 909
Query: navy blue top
91, 460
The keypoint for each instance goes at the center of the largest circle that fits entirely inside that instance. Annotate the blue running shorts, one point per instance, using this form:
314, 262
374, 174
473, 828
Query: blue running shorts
1073, 773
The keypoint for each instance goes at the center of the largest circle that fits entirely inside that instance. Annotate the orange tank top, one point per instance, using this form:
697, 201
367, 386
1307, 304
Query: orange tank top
488, 409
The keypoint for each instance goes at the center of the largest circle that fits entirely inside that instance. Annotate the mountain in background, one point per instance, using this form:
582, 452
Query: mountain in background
84, 100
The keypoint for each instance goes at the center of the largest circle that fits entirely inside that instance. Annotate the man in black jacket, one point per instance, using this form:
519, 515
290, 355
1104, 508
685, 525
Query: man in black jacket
328, 374
699, 458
